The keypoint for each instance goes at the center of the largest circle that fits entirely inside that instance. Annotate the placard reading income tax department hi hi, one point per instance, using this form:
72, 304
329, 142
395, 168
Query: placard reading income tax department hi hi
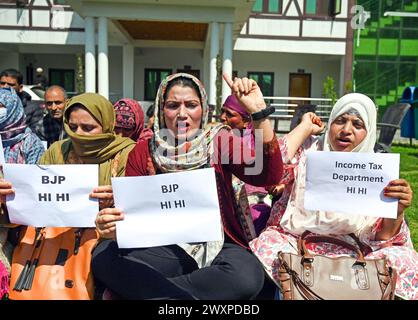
351, 182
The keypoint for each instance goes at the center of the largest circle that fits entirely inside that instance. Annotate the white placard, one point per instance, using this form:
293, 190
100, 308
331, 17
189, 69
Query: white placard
52, 195
167, 209
351, 182
1, 152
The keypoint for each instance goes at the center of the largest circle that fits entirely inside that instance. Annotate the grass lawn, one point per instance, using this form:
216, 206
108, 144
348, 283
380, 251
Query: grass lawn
409, 171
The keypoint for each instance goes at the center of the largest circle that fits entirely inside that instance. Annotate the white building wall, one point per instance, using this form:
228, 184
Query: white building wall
335, 29
291, 46
283, 64
41, 37
41, 18
274, 27
344, 9
292, 9
257, 54
60, 60
15, 17
161, 58
40, 2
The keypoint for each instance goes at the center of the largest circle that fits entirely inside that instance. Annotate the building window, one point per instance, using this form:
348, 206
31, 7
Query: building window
320, 7
63, 78
153, 78
265, 81
268, 6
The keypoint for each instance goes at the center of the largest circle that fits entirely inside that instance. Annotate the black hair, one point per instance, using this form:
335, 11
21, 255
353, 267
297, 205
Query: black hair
183, 82
150, 111
14, 74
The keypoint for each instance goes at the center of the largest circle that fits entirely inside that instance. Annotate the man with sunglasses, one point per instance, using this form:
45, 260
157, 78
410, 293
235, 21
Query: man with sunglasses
55, 99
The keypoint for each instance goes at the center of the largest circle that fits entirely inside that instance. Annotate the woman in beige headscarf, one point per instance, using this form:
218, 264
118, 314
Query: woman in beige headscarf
351, 128
38, 266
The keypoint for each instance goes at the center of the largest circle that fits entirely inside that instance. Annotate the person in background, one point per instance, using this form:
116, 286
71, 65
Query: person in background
20, 145
53, 124
351, 128
89, 121
221, 269
150, 115
130, 120
12, 78
235, 116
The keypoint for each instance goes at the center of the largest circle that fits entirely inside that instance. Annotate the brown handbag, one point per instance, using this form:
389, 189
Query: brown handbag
305, 276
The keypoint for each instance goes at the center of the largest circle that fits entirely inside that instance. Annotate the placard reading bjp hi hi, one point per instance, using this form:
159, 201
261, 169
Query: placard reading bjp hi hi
351, 182
52, 195
167, 209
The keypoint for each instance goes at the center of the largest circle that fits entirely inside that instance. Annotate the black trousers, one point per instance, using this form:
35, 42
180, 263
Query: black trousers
168, 272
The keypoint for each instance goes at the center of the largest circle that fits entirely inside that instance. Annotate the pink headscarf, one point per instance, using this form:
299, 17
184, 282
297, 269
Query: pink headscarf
260, 212
129, 115
248, 134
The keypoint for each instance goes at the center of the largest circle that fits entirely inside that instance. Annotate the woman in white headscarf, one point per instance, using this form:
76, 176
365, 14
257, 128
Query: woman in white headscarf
351, 128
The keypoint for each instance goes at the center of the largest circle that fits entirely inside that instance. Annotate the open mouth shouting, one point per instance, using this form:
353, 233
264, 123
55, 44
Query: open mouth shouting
343, 142
182, 127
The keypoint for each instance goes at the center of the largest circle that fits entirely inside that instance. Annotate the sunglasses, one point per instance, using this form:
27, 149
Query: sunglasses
3, 83
50, 103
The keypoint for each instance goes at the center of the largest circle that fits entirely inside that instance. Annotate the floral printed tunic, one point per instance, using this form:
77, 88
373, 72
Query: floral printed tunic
274, 239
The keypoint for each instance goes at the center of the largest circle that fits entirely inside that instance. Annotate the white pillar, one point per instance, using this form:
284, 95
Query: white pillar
103, 58
227, 59
342, 71
214, 50
128, 71
90, 55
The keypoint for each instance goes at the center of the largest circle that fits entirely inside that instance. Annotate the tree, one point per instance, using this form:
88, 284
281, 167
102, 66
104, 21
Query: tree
218, 84
328, 90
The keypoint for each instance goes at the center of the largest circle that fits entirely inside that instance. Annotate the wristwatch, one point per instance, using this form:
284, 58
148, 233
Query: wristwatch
263, 113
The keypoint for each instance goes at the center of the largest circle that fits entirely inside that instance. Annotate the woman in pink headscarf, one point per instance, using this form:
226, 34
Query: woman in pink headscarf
130, 120
235, 116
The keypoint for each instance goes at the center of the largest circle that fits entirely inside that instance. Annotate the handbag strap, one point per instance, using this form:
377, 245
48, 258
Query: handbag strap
313, 239
303, 289
366, 249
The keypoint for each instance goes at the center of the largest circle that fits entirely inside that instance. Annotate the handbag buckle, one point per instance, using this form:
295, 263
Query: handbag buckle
361, 275
307, 271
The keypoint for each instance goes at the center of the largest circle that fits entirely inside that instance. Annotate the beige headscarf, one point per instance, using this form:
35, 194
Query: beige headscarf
298, 220
189, 155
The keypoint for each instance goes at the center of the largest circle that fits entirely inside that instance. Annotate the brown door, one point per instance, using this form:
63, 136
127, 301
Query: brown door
300, 86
